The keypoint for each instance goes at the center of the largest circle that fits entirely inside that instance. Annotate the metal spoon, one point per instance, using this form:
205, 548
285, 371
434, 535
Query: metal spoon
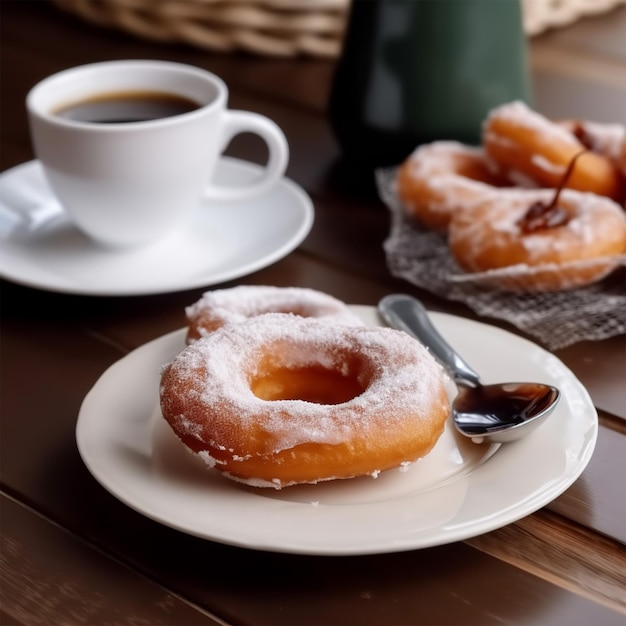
502, 412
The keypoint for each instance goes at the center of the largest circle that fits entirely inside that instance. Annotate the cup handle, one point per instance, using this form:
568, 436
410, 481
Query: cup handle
236, 122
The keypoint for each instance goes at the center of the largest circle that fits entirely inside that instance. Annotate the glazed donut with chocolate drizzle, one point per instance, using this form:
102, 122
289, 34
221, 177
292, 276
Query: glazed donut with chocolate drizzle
279, 400
567, 238
532, 151
236, 304
441, 178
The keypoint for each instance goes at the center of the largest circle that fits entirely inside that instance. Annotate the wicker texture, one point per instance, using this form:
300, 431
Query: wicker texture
540, 15
275, 27
270, 27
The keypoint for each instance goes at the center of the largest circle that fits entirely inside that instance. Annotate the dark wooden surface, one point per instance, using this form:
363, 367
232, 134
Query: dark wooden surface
73, 554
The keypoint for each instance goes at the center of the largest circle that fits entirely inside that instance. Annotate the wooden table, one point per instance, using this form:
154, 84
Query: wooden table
73, 554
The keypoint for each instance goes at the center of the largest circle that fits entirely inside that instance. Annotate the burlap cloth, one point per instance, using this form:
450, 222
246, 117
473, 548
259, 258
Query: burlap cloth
556, 320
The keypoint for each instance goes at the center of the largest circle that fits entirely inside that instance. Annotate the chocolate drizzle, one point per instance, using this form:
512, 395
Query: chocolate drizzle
582, 135
541, 216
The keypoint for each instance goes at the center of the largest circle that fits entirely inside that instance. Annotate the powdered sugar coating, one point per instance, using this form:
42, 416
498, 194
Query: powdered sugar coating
435, 158
441, 178
607, 139
236, 304
518, 114
206, 396
533, 151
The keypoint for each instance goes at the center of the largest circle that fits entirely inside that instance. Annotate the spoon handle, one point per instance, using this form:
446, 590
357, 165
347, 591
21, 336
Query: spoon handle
406, 313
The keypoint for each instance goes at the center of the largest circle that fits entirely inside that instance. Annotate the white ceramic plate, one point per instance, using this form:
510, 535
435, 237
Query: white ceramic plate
39, 247
458, 491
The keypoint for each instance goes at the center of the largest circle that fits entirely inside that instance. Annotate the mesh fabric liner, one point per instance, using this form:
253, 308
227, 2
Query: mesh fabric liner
556, 320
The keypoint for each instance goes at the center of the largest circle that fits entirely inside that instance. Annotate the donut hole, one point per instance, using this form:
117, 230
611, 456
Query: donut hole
476, 169
309, 383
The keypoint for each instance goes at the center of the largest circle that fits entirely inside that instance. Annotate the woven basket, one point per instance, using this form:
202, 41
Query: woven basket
274, 27
540, 15
269, 27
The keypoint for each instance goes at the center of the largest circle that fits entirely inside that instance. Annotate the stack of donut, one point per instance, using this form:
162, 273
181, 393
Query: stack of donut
285, 386
542, 199
227, 306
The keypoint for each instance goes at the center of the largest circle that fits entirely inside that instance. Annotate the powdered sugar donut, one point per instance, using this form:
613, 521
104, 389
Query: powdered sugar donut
438, 179
278, 400
222, 306
533, 151
572, 243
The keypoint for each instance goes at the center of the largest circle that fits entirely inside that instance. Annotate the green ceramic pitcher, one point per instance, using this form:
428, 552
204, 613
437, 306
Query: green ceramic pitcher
415, 71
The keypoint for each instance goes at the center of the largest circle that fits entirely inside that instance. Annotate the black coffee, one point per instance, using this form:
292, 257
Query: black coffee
129, 106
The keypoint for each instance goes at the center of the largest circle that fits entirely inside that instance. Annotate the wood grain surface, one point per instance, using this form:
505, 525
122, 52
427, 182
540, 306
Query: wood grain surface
72, 553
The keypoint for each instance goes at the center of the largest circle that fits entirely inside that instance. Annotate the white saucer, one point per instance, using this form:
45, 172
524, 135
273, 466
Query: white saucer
39, 247
458, 491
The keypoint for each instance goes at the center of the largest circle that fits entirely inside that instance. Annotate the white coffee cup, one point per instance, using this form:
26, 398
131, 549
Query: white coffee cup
130, 183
